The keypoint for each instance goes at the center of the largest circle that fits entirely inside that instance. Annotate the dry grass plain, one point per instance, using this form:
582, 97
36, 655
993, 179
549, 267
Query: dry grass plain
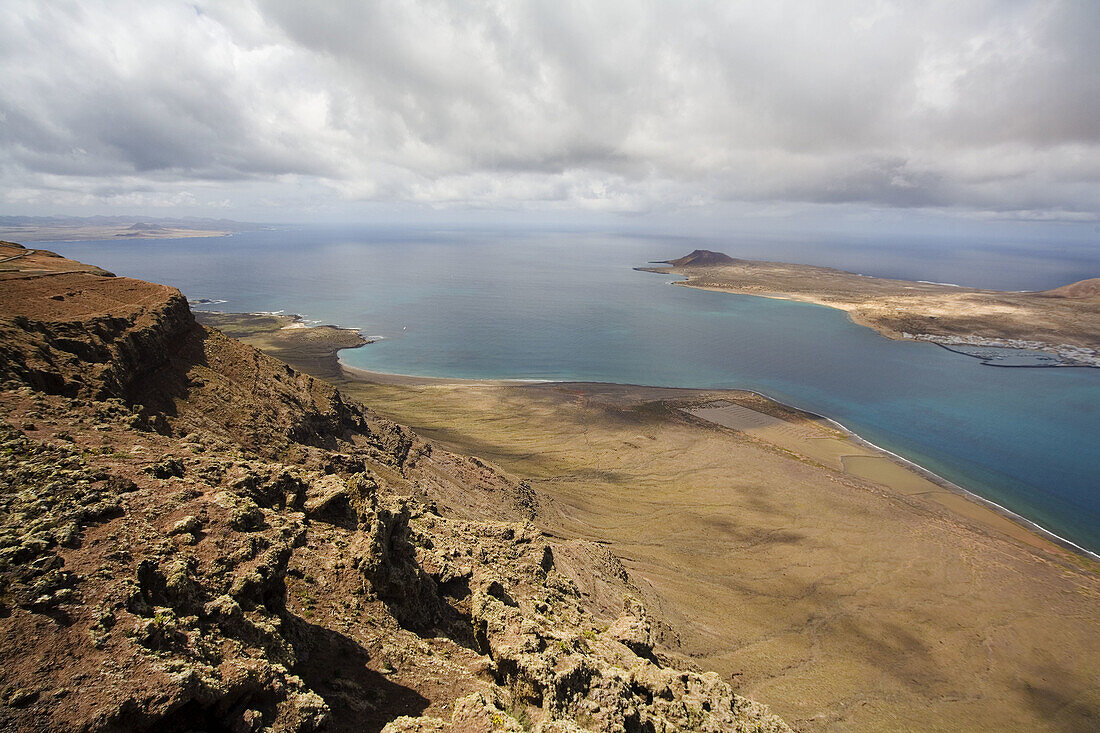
843, 591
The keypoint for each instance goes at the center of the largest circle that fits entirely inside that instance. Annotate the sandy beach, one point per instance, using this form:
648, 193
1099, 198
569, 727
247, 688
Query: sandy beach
813, 572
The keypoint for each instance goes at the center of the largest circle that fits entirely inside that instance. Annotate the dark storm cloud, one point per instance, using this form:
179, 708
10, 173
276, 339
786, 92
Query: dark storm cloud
991, 106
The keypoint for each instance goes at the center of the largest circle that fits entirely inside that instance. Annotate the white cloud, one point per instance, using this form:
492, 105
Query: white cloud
618, 106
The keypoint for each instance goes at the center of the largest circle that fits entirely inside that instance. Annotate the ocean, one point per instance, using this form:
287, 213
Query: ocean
550, 305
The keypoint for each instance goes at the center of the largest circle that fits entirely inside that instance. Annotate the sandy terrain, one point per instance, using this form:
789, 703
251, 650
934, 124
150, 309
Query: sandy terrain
841, 589
837, 450
1067, 316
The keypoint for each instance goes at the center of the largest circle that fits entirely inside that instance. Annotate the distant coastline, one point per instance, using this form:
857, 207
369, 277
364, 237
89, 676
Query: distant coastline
102, 228
1063, 322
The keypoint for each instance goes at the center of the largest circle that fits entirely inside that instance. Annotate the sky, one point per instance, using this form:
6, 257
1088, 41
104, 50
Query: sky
273, 110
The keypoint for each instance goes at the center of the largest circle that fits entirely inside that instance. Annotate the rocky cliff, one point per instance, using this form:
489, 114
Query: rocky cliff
193, 536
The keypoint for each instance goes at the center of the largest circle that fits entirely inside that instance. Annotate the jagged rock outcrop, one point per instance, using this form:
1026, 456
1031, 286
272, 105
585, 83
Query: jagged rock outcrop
555, 666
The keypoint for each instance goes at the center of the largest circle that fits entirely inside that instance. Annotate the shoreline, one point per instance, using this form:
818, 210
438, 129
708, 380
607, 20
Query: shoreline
1023, 522
854, 578
327, 349
914, 310
411, 379
1066, 362
946, 484
987, 361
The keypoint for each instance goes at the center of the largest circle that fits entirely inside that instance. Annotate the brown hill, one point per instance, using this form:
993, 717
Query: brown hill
1089, 288
194, 536
702, 258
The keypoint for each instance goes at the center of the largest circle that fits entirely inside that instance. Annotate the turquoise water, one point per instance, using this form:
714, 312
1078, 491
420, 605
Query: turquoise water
570, 307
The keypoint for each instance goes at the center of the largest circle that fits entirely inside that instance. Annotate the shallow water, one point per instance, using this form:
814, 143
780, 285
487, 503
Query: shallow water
570, 307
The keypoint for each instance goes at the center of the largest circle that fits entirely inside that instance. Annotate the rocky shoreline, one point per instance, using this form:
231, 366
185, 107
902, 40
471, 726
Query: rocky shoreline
1065, 355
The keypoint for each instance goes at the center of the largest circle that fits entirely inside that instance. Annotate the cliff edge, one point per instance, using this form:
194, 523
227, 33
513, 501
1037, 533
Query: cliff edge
194, 536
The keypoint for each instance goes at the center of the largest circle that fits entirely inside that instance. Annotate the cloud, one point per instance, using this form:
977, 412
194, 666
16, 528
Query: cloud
630, 106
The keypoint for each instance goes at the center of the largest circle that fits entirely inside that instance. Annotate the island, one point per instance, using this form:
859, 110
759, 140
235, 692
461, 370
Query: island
77, 228
1064, 322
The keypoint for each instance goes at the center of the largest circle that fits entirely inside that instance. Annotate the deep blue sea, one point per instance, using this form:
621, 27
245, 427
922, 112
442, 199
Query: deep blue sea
569, 306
